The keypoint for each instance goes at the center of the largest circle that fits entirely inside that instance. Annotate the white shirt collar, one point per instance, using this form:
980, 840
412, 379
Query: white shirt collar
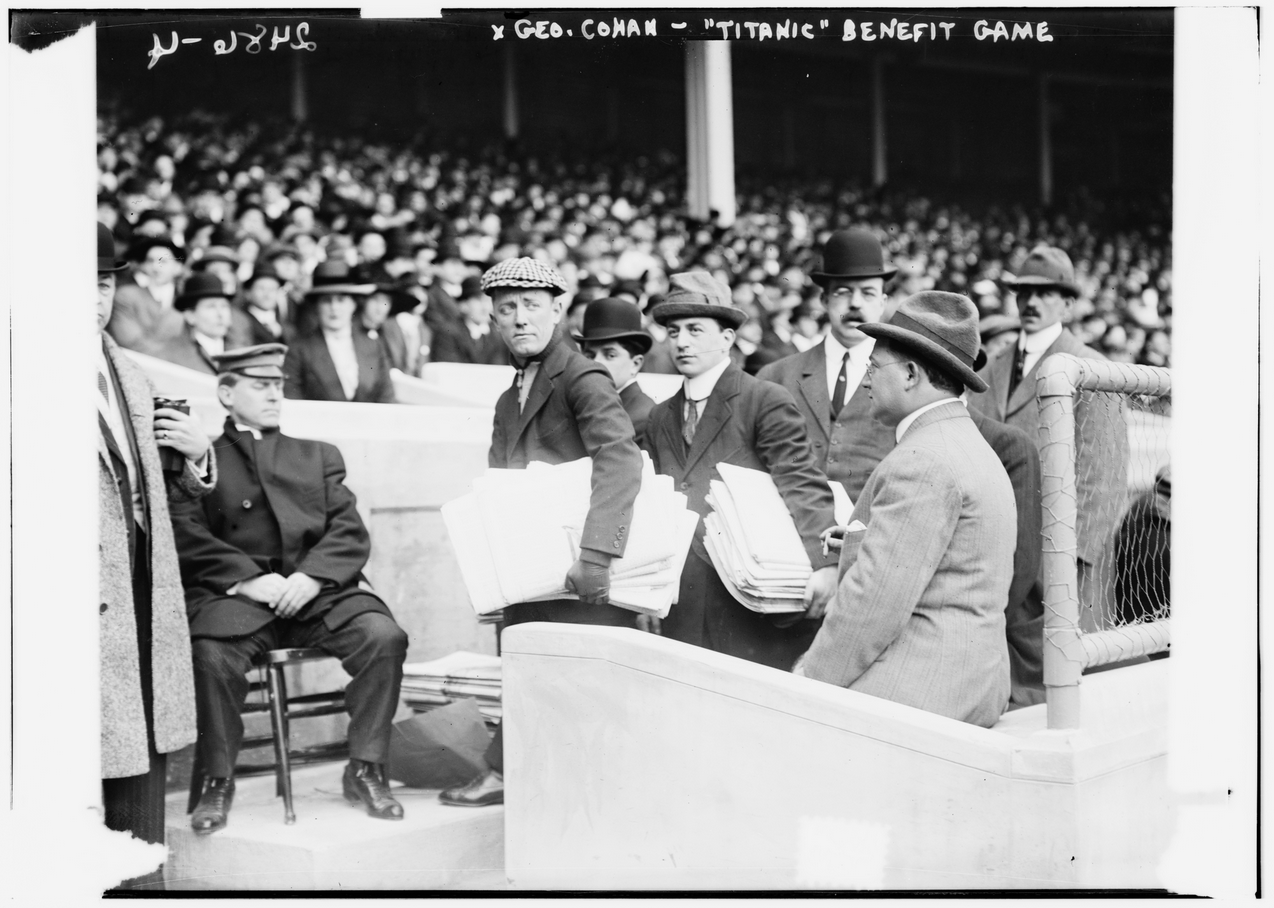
256, 433
911, 417
700, 387
1041, 340
213, 346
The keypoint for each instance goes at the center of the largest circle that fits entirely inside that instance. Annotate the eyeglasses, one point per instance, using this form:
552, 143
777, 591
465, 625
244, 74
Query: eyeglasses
872, 367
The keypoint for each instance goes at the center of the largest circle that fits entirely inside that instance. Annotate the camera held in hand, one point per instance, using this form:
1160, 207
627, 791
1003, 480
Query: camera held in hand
172, 460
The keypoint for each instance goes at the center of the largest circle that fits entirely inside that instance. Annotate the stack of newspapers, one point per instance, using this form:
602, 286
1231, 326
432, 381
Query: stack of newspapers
753, 542
461, 675
518, 533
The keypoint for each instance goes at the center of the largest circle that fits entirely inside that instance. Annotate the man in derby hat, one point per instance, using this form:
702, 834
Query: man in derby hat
927, 559
143, 317
612, 335
147, 697
1046, 292
208, 315
561, 407
723, 415
474, 339
336, 361
274, 558
827, 380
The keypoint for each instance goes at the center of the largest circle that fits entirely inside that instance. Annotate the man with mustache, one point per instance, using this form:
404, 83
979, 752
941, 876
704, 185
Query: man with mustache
827, 379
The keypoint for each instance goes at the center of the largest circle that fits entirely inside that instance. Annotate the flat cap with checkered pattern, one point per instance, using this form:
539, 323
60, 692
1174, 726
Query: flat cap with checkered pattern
524, 272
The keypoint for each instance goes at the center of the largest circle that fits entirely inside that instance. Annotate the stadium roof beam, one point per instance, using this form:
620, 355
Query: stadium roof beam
709, 132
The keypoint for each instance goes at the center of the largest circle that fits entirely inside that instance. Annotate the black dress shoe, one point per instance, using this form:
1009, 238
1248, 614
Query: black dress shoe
214, 807
482, 791
365, 782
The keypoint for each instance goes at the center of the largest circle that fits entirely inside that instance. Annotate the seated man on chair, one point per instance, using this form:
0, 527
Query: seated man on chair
273, 558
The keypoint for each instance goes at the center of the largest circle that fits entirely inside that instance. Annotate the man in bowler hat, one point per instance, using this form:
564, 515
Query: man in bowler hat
723, 415
274, 558
561, 407
613, 336
827, 380
147, 698
205, 307
927, 559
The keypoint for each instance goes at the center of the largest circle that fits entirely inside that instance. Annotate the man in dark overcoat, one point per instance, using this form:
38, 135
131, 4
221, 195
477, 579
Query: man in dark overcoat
562, 406
274, 558
722, 415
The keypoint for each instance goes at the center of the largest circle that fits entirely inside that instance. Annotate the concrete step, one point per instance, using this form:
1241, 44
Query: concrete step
334, 845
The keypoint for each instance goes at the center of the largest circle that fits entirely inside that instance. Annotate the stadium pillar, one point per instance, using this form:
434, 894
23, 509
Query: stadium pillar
709, 131
300, 86
1046, 144
879, 150
510, 95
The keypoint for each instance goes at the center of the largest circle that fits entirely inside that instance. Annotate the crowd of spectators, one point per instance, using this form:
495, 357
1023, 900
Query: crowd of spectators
419, 217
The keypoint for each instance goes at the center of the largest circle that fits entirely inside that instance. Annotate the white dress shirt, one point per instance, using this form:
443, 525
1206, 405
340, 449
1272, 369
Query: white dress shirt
835, 352
268, 318
699, 388
1036, 344
346, 361
213, 346
478, 330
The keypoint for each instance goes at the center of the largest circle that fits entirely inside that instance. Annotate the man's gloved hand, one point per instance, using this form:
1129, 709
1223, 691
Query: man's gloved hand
589, 577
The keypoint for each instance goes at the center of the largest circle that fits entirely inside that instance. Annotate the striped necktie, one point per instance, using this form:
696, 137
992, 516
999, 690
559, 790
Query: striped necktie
691, 421
838, 394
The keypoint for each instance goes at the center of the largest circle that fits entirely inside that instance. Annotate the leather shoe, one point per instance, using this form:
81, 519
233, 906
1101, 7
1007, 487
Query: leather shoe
481, 791
214, 807
365, 782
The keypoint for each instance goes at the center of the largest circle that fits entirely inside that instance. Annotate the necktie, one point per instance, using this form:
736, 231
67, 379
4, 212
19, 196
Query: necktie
103, 386
691, 421
1019, 365
838, 393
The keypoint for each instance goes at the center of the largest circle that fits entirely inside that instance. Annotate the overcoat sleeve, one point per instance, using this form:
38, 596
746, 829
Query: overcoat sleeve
343, 550
188, 485
607, 434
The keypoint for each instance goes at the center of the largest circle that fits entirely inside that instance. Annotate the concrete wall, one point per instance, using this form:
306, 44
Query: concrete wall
636, 762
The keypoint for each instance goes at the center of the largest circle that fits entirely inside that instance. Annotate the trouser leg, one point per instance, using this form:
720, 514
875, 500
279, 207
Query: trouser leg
221, 687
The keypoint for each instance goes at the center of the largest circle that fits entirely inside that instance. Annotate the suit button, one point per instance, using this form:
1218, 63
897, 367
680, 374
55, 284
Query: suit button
835, 441
615, 544
246, 504
685, 485
102, 610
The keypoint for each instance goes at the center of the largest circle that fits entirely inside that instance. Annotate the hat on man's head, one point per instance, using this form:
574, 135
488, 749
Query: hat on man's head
335, 277
612, 319
939, 327
137, 251
852, 255
217, 254
263, 271
261, 361
279, 250
198, 286
470, 287
695, 294
106, 260
1047, 267
524, 272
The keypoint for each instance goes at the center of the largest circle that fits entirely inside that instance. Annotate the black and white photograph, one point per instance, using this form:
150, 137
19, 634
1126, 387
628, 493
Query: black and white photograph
647, 450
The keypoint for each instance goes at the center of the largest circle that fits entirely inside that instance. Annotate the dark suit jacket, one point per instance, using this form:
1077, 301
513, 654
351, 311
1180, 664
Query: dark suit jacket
572, 411
749, 423
637, 404
184, 350
246, 331
456, 345
280, 506
848, 449
1101, 469
391, 340
311, 374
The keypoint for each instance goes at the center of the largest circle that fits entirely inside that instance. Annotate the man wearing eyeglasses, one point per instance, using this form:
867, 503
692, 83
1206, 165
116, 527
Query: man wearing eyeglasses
827, 379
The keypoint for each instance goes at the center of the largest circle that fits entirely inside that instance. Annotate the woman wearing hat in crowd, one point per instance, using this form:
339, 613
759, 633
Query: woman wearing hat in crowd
336, 362
473, 340
204, 305
612, 335
143, 317
374, 319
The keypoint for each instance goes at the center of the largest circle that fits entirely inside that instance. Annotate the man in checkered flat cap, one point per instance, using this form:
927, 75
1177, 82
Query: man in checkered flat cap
562, 406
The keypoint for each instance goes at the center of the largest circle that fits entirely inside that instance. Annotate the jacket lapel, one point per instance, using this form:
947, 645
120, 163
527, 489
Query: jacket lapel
716, 413
673, 442
1024, 393
997, 379
813, 385
550, 367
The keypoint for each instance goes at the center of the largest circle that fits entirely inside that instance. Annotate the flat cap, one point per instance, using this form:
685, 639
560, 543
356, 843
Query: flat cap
260, 361
524, 272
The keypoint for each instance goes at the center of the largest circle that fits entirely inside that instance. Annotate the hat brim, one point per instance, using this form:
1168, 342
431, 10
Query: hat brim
1040, 283
641, 337
335, 289
727, 315
514, 284
935, 354
110, 265
191, 300
822, 277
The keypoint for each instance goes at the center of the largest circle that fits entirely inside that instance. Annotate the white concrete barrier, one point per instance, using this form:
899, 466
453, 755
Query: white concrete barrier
635, 762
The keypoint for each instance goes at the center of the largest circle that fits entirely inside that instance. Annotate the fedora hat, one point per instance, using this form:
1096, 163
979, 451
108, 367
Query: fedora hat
199, 285
695, 294
335, 277
106, 260
853, 254
941, 328
1046, 267
613, 319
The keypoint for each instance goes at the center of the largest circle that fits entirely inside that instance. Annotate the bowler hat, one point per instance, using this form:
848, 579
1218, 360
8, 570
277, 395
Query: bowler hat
1046, 267
694, 294
613, 319
217, 254
199, 285
106, 260
263, 271
259, 361
470, 287
941, 328
137, 251
335, 277
852, 255
524, 272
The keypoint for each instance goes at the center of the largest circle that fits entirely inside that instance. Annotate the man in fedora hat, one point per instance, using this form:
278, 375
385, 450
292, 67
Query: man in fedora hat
612, 335
561, 407
207, 312
273, 558
927, 559
723, 415
1046, 294
827, 379
147, 696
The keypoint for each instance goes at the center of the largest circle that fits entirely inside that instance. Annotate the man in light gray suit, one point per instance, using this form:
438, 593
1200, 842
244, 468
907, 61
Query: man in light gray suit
927, 559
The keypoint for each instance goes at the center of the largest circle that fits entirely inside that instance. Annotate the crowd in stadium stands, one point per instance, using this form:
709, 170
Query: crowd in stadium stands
261, 206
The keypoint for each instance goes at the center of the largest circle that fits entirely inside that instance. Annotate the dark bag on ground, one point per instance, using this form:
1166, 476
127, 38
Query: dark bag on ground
439, 748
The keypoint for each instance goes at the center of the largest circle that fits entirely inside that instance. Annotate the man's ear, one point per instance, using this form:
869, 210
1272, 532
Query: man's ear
189, 316
225, 394
639, 360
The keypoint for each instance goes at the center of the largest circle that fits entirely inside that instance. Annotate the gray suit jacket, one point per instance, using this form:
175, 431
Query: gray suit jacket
919, 611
